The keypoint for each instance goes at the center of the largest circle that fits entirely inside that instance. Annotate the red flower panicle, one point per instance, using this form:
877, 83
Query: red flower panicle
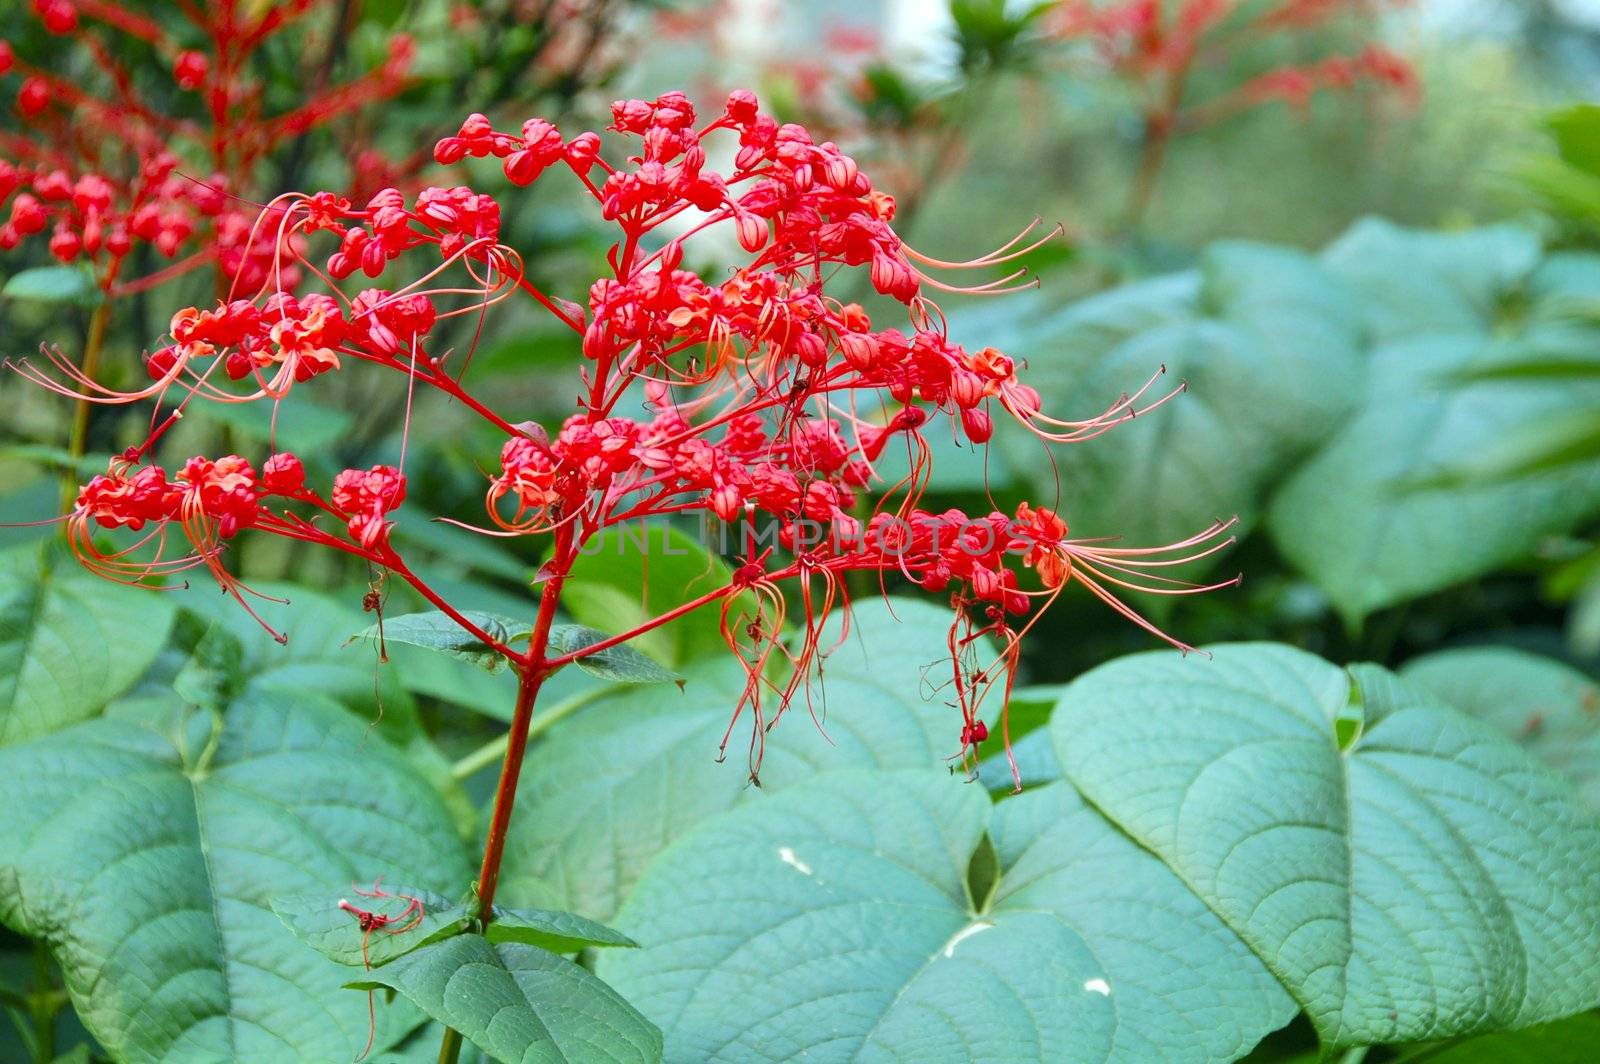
771, 403
1158, 45
95, 170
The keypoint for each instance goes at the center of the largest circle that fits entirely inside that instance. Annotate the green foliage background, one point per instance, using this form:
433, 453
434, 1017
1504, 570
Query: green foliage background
1366, 827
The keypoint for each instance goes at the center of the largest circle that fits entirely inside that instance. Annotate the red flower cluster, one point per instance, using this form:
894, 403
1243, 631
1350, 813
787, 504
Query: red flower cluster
211, 501
1158, 45
770, 403
99, 169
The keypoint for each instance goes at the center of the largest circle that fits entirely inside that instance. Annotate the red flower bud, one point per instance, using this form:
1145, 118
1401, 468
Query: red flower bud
33, 97
190, 69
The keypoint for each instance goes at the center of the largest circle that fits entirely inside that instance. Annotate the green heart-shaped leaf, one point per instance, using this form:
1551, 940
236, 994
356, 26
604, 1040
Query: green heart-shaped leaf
838, 926
147, 863
1405, 871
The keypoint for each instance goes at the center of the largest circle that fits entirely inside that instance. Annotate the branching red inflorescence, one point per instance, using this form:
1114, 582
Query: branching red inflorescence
100, 170
1159, 45
772, 403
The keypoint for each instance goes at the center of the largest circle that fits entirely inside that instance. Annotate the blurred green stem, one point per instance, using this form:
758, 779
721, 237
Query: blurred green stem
44, 1004
78, 441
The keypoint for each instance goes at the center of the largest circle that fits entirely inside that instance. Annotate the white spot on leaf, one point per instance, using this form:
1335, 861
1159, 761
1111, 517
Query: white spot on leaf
1097, 986
787, 856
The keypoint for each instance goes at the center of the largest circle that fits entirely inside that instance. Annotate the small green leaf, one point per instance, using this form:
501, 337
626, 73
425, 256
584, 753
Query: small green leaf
621, 662
558, 932
53, 284
520, 1004
439, 632
317, 920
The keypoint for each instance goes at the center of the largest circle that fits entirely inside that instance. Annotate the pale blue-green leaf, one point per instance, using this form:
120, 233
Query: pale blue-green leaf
521, 1004
838, 927
1360, 517
148, 869
1430, 880
1552, 709
1268, 343
1418, 282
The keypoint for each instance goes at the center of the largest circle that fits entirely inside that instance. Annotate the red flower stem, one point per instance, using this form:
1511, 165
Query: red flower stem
531, 671
548, 304
163, 275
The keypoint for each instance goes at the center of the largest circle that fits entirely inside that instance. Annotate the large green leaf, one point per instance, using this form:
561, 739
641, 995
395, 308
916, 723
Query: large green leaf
1421, 879
1419, 282
1361, 517
69, 643
318, 658
521, 1004
1551, 709
1437, 477
607, 789
838, 925
1268, 343
147, 861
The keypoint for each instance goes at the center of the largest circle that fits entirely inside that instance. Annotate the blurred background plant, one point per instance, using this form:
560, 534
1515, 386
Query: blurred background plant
1367, 234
